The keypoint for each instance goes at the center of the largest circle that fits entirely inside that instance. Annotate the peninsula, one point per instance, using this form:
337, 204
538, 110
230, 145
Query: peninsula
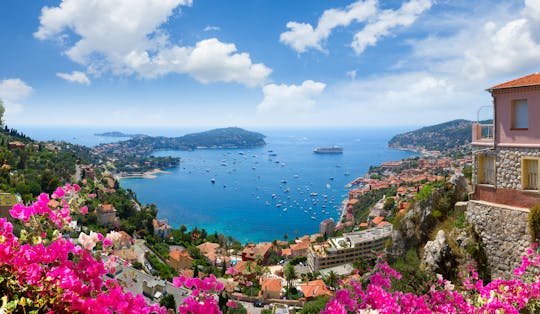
134, 155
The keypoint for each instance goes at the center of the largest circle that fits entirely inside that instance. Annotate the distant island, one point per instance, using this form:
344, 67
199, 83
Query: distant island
134, 155
118, 134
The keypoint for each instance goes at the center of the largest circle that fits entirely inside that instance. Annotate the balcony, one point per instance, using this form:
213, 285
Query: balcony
482, 134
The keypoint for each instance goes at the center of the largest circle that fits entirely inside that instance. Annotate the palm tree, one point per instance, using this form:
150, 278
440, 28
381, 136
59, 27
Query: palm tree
332, 280
290, 275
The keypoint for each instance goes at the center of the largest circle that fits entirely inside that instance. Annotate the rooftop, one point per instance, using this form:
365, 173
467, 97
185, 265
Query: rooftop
353, 239
528, 80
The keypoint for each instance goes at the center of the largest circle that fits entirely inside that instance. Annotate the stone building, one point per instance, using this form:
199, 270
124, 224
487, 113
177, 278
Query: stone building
507, 152
506, 157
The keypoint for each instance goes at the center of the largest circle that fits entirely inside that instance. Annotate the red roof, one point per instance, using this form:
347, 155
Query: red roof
377, 220
315, 288
528, 80
271, 284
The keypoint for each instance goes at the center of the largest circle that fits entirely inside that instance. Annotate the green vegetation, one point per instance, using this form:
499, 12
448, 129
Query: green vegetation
316, 306
168, 302
534, 223
413, 278
298, 260
424, 193
164, 271
442, 137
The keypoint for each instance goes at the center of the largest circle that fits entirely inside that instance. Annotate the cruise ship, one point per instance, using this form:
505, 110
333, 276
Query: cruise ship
328, 150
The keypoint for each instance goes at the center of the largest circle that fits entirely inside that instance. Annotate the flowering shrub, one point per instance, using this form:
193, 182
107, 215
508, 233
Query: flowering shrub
498, 296
42, 272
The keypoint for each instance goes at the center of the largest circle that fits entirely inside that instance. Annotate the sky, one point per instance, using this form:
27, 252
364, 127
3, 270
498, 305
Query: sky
214, 63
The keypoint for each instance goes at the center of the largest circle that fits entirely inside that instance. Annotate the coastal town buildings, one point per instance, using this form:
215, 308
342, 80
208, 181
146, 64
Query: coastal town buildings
162, 228
261, 251
270, 288
326, 227
300, 248
507, 151
315, 288
349, 248
180, 260
106, 214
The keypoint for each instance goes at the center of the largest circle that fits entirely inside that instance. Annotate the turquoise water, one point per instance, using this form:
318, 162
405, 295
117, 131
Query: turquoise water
241, 202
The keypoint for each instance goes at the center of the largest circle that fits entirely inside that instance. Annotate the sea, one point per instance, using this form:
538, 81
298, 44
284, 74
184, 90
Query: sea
280, 191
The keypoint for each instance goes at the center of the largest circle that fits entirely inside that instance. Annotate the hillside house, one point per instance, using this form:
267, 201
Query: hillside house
106, 214
507, 151
261, 251
180, 260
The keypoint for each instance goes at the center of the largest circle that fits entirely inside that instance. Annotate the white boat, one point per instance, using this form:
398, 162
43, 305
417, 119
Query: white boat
328, 150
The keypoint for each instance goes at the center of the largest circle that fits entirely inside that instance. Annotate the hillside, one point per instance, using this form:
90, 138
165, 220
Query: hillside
447, 136
29, 167
217, 138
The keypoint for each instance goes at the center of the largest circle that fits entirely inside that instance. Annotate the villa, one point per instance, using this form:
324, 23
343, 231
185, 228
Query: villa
507, 151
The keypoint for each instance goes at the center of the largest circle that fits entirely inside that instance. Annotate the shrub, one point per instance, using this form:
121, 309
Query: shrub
534, 222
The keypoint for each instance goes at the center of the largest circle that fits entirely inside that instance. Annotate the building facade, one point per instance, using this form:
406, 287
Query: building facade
506, 154
327, 227
349, 248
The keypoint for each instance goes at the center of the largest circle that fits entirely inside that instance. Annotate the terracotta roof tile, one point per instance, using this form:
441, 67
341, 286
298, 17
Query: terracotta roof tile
528, 80
271, 284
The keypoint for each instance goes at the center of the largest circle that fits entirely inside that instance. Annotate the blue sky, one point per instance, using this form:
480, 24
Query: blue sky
259, 63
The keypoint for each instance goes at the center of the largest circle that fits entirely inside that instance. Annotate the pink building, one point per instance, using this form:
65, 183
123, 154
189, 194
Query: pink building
507, 152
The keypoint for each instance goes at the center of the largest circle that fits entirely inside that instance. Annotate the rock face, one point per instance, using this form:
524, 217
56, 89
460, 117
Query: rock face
419, 221
437, 255
504, 231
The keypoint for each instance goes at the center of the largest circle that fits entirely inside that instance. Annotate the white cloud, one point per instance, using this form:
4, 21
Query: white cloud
505, 46
302, 36
414, 98
12, 91
387, 20
290, 98
211, 28
75, 76
209, 61
125, 37
351, 74
378, 23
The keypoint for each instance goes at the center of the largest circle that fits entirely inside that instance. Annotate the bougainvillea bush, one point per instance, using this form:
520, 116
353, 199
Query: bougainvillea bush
518, 295
43, 271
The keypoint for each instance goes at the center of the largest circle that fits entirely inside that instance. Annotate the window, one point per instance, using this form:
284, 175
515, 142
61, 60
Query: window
529, 174
486, 169
520, 114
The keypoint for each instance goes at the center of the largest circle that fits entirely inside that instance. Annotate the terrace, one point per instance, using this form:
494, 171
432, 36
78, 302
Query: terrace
483, 134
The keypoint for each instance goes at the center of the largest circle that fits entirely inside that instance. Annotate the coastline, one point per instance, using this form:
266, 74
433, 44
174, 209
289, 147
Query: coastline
152, 174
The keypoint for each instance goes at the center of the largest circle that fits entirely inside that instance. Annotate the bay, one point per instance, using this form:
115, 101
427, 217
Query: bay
259, 194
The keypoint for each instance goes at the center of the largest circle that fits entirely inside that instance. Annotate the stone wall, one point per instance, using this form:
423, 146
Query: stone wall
504, 232
508, 165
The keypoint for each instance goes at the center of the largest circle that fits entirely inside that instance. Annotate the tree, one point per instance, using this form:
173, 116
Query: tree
2, 110
168, 302
316, 306
290, 275
332, 280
